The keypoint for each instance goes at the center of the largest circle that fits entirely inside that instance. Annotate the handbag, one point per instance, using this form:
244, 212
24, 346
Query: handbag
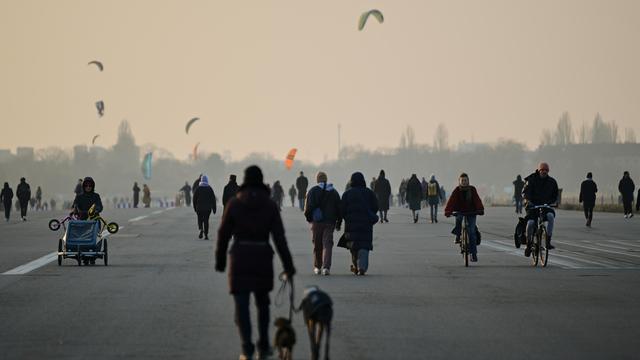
344, 241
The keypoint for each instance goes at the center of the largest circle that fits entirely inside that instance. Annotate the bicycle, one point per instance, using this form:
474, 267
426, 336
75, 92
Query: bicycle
111, 227
539, 249
464, 236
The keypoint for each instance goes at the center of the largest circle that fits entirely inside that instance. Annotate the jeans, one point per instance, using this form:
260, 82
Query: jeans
360, 258
203, 221
532, 224
322, 238
243, 320
434, 212
301, 203
471, 230
519, 205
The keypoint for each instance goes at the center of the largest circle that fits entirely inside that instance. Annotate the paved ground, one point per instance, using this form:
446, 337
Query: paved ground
160, 297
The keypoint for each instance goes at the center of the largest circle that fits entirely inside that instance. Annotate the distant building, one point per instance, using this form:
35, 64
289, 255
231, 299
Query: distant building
5, 155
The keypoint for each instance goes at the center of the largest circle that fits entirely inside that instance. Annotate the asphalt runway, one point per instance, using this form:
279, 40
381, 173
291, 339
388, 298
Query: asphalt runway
160, 297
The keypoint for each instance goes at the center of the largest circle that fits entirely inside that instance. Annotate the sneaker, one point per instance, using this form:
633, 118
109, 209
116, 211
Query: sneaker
200, 236
316, 271
474, 258
361, 272
386, 220
206, 236
626, 216
325, 272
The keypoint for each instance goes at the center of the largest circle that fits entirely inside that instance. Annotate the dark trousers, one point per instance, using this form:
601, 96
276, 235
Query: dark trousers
7, 210
136, 200
203, 221
628, 209
24, 205
243, 320
588, 212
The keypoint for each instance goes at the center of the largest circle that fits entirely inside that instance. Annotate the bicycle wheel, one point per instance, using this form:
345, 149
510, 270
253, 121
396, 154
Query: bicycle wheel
544, 252
535, 250
112, 228
59, 252
465, 246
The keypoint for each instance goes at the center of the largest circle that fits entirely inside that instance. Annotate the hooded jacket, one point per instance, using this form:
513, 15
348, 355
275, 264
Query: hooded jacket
588, 190
626, 188
23, 191
6, 196
84, 201
358, 205
414, 193
250, 218
230, 190
325, 197
204, 199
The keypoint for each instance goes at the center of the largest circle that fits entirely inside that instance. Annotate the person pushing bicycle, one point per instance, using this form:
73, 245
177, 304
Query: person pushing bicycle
85, 200
540, 189
465, 202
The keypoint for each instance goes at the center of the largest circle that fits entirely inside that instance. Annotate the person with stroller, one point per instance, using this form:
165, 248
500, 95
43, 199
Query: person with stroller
250, 218
83, 203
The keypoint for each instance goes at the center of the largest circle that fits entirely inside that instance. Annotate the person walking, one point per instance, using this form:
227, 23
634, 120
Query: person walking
302, 183
518, 185
186, 191
292, 194
230, 190
136, 194
146, 196
627, 189
6, 197
322, 210
588, 190
250, 218
278, 194
78, 189
23, 192
414, 196
358, 207
434, 197
204, 202
39, 198
383, 193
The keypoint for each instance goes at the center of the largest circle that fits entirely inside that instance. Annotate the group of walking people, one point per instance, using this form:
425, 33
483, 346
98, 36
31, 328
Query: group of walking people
23, 193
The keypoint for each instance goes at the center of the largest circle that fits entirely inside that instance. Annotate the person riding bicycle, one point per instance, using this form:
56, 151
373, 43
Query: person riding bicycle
464, 201
540, 189
86, 199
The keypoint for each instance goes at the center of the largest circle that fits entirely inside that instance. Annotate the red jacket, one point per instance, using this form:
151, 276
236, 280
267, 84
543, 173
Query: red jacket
457, 202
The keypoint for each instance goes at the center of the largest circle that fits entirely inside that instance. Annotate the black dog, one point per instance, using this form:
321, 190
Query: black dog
285, 338
317, 309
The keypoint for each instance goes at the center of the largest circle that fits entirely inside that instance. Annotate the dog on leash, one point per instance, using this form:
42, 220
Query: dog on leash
285, 338
317, 310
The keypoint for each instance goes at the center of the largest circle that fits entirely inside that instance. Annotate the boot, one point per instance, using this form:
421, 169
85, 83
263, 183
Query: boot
548, 241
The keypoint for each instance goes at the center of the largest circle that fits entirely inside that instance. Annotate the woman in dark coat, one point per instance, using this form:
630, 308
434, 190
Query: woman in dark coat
627, 188
588, 190
359, 206
250, 217
383, 193
6, 197
414, 196
204, 202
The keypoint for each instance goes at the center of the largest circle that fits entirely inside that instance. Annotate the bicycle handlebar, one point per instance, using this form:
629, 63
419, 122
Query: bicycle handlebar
544, 206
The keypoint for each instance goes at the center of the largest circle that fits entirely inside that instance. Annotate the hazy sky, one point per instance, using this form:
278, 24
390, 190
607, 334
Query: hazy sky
265, 76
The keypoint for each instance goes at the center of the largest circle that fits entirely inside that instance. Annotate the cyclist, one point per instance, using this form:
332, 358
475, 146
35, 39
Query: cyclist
464, 200
86, 199
540, 189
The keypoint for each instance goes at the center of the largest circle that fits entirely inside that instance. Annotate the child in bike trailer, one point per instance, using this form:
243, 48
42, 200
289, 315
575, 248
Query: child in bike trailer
86, 199
465, 200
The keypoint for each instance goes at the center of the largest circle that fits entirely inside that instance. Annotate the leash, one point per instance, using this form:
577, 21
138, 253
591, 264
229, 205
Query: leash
286, 282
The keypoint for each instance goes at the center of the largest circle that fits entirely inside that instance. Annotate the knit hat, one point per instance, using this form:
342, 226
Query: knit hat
253, 176
321, 177
204, 180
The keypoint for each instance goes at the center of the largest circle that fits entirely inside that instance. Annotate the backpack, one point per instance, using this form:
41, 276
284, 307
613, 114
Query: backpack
432, 189
520, 235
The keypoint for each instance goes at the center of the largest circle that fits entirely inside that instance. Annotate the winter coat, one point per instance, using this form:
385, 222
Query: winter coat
414, 193
626, 188
146, 195
84, 201
588, 190
204, 200
540, 191
302, 184
230, 190
518, 185
250, 217
278, 192
383, 192
6, 196
186, 190
23, 192
464, 200
433, 199
136, 192
358, 207
325, 197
